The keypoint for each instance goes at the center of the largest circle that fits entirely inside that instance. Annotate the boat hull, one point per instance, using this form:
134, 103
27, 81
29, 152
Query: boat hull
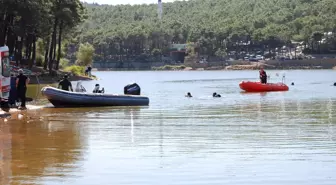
61, 98
259, 87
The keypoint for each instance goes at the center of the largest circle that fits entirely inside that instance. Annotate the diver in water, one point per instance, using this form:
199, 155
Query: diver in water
263, 76
215, 95
188, 95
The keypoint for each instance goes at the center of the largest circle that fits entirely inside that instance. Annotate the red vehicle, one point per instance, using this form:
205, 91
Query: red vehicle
4, 74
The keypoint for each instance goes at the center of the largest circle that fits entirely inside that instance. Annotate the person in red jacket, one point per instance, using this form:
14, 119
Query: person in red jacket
263, 76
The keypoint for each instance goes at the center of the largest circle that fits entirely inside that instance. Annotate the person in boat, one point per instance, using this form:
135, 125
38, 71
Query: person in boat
188, 95
263, 76
215, 95
22, 82
96, 89
65, 84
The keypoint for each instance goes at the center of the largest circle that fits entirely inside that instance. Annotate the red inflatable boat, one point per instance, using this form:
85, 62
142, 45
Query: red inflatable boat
259, 87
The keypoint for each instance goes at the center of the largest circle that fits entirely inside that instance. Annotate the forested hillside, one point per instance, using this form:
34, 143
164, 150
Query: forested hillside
45, 31
217, 26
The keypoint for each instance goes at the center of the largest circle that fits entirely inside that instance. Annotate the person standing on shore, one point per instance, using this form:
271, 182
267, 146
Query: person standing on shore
12, 93
22, 82
89, 70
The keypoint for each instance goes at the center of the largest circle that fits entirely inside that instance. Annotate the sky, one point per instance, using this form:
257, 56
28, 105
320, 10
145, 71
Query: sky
116, 2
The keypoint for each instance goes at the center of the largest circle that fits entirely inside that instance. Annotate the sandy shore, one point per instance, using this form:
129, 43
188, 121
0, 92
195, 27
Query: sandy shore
41, 76
14, 113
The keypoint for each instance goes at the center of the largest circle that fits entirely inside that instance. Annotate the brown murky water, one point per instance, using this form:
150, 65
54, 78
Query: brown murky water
270, 138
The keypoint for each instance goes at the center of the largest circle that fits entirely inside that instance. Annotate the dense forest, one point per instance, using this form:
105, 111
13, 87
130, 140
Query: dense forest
34, 29
216, 27
45, 31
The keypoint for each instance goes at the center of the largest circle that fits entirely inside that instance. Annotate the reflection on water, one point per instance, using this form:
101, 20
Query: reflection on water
269, 138
42, 149
5, 154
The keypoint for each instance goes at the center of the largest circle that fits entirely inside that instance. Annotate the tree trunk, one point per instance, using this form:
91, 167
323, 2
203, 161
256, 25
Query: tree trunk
5, 29
26, 46
30, 45
290, 50
11, 43
32, 61
50, 62
59, 45
55, 47
52, 44
45, 65
16, 53
11, 37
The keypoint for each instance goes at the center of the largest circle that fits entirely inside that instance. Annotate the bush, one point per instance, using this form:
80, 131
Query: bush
39, 60
76, 70
85, 54
64, 63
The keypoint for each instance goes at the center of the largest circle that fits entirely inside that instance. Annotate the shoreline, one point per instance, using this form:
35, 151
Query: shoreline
309, 64
227, 68
40, 76
17, 114
45, 80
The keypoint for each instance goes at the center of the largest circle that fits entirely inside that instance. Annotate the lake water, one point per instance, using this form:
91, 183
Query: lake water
260, 138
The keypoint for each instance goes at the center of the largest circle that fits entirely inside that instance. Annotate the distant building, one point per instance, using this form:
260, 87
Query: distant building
178, 52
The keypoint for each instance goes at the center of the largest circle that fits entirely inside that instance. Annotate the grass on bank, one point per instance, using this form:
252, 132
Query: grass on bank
169, 67
77, 70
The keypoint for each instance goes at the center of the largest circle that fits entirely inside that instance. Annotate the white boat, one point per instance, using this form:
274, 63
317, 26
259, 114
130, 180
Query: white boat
81, 98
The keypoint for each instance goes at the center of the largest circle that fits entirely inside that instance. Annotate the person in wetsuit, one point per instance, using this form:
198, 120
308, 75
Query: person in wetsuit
215, 95
65, 84
21, 85
188, 95
263, 76
12, 93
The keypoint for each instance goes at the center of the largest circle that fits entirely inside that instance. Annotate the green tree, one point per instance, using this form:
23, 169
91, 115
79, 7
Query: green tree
85, 54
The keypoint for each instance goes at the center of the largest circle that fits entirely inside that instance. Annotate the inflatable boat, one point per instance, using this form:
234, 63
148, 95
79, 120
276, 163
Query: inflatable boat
62, 98
259, 87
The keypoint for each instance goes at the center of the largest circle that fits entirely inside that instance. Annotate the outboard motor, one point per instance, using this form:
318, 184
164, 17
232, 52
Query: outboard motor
132, 89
